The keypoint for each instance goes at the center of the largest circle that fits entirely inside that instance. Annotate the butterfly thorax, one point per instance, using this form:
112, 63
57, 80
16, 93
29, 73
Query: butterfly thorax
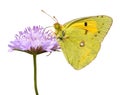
59, 31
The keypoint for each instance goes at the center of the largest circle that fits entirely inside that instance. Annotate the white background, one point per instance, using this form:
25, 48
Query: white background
55, 75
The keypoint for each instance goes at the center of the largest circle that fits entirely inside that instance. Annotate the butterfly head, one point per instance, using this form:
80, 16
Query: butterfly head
57, 26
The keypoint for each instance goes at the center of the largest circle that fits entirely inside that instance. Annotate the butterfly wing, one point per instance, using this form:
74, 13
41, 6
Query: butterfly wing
98, 25
82, 39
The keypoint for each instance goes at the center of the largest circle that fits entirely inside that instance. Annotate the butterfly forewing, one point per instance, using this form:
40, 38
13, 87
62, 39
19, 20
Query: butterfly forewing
98, 25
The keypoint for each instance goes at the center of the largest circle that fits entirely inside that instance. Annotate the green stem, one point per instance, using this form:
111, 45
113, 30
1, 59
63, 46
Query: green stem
35, 74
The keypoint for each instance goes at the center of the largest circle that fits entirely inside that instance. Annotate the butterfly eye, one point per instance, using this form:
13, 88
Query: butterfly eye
82, 44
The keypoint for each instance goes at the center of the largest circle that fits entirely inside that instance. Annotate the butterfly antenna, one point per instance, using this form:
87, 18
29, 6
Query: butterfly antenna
55, 18
50, 16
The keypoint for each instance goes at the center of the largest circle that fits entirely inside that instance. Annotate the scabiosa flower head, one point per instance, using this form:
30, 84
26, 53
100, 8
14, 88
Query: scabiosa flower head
34, 40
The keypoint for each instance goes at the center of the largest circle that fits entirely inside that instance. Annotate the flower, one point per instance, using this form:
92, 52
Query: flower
34, 40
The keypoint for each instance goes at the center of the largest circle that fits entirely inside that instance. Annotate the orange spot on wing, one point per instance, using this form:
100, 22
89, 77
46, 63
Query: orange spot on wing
91, 26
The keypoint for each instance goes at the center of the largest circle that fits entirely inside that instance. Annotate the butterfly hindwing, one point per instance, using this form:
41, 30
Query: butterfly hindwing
78, 49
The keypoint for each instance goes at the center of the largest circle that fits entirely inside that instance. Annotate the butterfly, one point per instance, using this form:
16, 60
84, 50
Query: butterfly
80, 39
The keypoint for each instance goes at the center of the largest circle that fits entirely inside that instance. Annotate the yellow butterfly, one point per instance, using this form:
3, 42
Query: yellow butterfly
80, 39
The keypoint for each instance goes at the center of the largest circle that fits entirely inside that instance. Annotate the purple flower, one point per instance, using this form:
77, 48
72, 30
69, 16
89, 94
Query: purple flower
34, 40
